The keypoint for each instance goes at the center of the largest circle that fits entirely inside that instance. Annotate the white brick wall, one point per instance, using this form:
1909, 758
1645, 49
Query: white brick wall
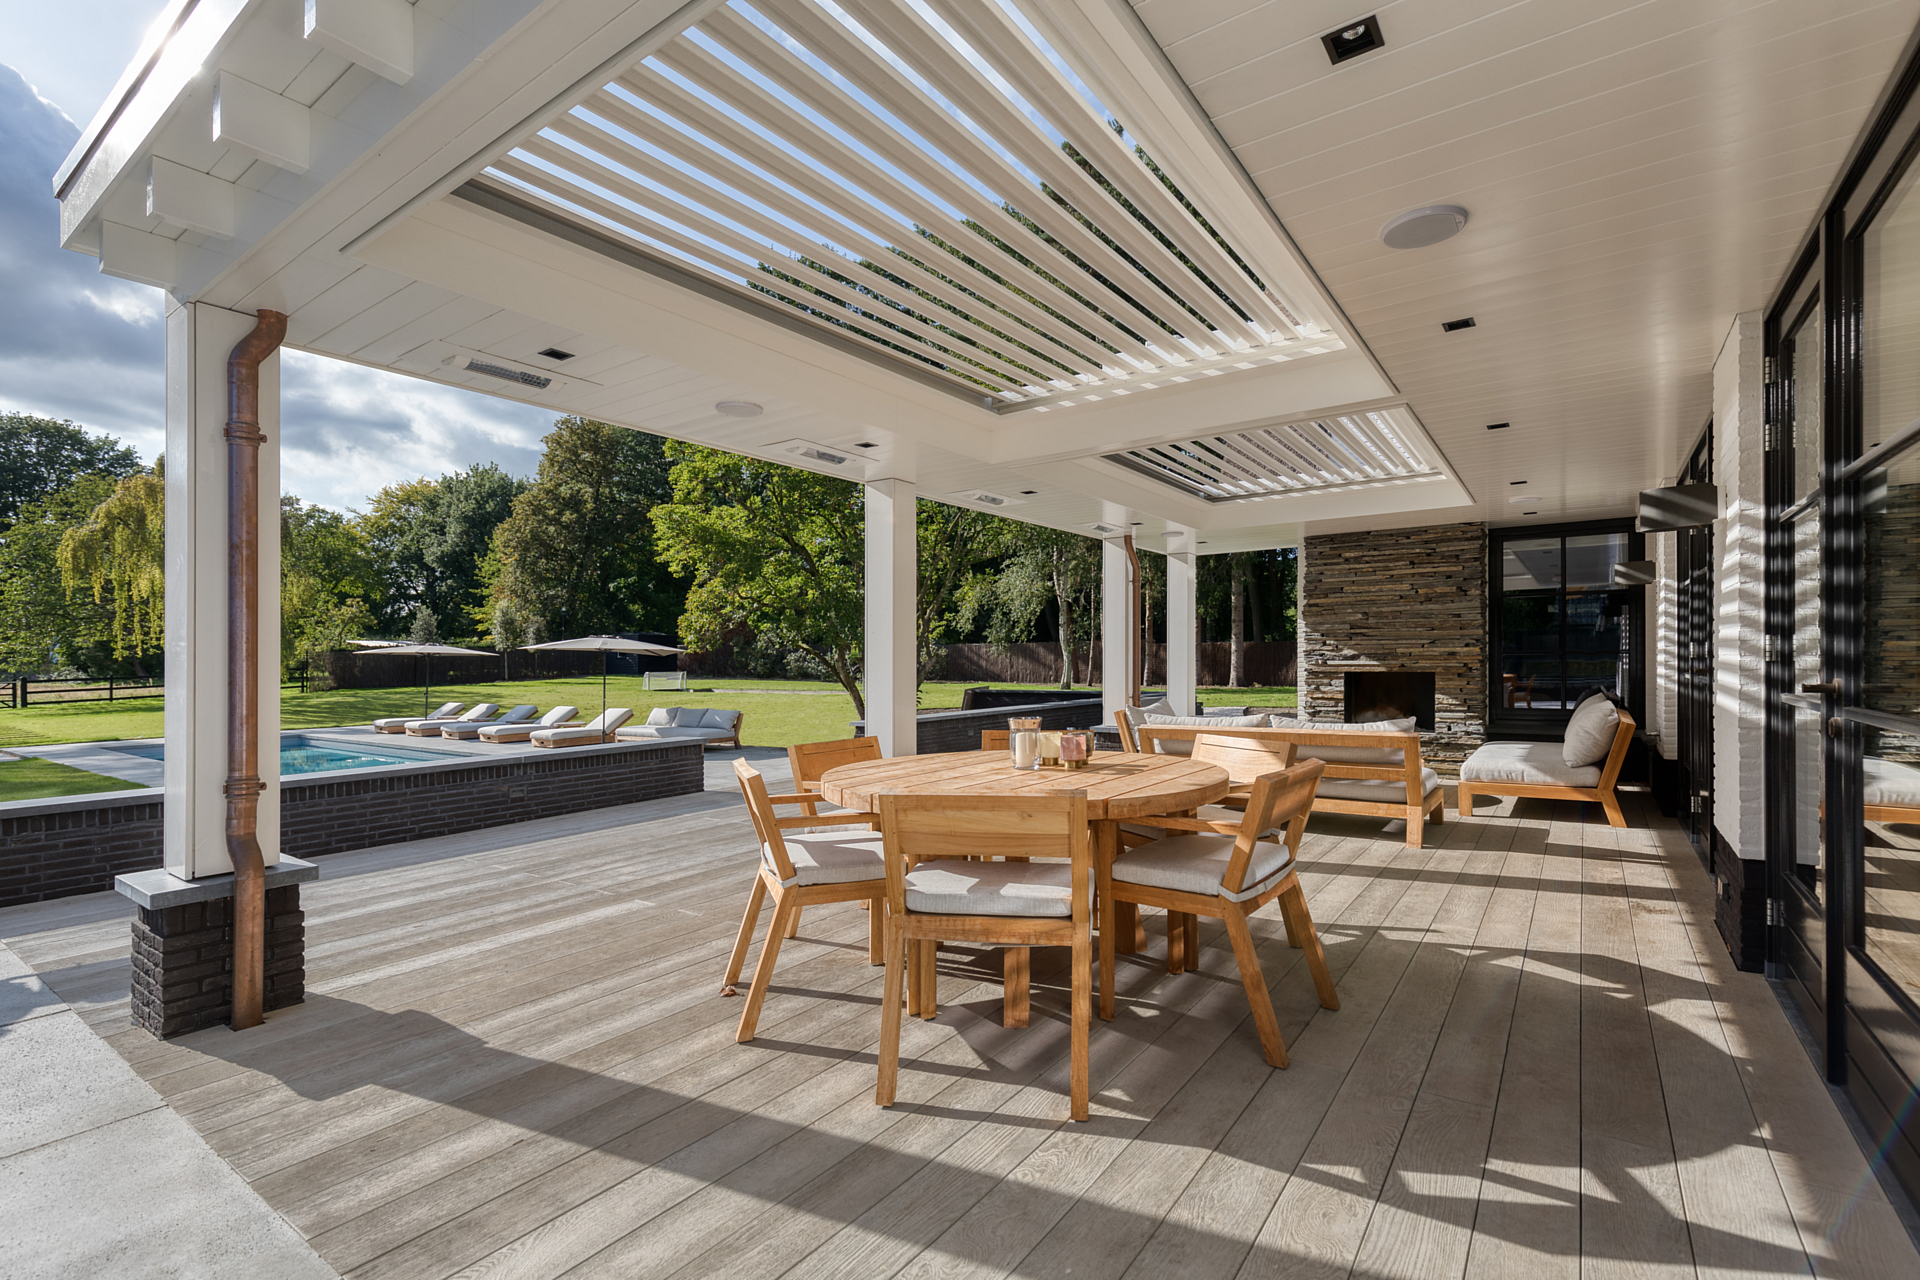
1664, 603
1739, 774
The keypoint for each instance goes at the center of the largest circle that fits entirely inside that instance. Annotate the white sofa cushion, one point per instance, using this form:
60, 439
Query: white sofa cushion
1590, 732
1892, 784
1375, 790
661, 717
830, 857
1350, 755
719, 718
1184, 746
1539, 764
955, 887
1194, 862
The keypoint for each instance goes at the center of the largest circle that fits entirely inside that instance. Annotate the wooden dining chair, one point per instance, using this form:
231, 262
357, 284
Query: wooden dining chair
798, 870
994, 739
1227, 870
935, 893
809, 762
1128, 742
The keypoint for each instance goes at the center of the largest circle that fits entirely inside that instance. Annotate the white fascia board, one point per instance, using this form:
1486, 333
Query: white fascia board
260, 123
376, 34
127, 125
472, 251
188, 199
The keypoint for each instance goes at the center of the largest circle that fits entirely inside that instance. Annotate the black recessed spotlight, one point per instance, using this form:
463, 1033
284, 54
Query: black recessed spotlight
1455, 326
1516, 482
1529, 513
866, 444
555, 353
1502, 426
1028, 493
1353, 39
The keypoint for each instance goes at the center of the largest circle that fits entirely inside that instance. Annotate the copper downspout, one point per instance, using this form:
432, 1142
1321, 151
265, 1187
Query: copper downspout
1135, 629
243, 668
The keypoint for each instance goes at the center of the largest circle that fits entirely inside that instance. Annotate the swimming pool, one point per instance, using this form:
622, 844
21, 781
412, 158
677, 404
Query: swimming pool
307, 755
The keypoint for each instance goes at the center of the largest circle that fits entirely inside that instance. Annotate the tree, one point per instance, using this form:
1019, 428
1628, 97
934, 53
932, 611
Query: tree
429, 539
425, 628
120, 552
577, 554
326, 579
43, 626
40, 457
956, 547
1237, 641
770, 548
1042, 567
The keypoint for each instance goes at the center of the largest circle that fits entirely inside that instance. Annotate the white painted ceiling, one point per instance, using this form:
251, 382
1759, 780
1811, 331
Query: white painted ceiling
1636, 174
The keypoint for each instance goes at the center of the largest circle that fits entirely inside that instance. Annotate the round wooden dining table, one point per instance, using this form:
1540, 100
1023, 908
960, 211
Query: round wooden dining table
1120, 787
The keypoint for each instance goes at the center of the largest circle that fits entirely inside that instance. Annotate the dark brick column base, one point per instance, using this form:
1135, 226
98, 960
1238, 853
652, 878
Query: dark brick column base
183, 961
1740, 905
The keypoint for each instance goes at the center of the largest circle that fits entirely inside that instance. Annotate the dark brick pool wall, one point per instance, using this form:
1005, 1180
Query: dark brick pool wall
78, 844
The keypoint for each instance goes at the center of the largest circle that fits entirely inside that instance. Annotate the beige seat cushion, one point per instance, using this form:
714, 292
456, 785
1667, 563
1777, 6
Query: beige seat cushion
1891, 784
1195, 862
1538, 764
1349, 755
955, 887
831, 857
1375, 790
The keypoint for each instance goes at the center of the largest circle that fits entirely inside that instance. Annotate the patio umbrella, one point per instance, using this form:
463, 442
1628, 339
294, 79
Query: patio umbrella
604, 645
427, 651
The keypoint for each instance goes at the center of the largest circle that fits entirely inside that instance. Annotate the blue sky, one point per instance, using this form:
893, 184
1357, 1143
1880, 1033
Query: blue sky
76, 344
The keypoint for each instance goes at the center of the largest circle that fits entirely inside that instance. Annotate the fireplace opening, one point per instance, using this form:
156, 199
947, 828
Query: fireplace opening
1390, 695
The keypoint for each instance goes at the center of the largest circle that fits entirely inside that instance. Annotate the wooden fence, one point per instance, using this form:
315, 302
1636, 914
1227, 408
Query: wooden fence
29, 692
1268, 663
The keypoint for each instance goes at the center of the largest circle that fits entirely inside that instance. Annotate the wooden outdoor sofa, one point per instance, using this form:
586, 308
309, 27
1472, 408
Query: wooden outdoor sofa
1539, 770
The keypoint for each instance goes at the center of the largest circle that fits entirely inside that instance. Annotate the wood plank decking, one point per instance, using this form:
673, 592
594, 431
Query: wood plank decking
514, 1061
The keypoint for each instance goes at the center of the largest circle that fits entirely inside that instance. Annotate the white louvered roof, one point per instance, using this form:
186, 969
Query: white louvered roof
1320, 455
816, 157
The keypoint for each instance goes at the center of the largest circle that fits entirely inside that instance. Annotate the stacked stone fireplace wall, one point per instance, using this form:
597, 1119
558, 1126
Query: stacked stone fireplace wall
1399, 600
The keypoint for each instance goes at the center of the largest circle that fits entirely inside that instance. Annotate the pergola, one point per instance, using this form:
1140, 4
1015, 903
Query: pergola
1025, 256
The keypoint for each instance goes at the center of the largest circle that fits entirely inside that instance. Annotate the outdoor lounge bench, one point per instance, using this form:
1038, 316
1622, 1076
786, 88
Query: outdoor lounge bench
600, 729
715, 726
1545, 770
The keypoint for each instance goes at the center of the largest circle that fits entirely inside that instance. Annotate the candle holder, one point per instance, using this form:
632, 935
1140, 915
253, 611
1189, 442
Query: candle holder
1076, 746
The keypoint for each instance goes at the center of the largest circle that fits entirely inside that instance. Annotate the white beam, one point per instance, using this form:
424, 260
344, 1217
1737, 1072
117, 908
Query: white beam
262, 124
893, 583
186, 198
199, 339
133, 254
377, 34
1739, 589
1117, 625
1183, 630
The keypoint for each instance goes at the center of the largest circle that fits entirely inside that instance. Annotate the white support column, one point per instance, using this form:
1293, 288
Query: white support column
1117, 626
1739, 547
1183, 630
893, 584
199, 339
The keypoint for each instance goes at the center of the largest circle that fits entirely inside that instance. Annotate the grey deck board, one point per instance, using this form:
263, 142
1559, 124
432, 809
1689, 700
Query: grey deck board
514, 1062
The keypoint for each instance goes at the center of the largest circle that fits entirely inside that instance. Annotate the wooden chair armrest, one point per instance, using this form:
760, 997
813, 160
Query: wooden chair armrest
1190, 824
827, 820
800, 797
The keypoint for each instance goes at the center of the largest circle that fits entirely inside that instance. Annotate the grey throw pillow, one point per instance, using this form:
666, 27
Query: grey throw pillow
1590, 733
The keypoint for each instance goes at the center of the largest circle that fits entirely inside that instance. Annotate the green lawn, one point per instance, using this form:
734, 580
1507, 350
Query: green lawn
31, 779
778, 712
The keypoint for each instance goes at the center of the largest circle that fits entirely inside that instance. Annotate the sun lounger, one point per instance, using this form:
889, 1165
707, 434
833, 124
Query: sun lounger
398, 724
559, 717
598, 729
481, 714
711, 725
463, 731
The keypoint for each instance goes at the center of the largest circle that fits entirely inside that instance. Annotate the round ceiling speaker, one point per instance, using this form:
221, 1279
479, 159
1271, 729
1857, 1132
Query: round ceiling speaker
1418, 228
738, 408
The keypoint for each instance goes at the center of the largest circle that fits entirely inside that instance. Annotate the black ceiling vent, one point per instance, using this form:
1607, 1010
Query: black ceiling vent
1502, 426
555, 353
1454, 326
1353, 39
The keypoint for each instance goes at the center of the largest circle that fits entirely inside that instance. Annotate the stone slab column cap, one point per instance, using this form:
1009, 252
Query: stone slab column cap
159, 889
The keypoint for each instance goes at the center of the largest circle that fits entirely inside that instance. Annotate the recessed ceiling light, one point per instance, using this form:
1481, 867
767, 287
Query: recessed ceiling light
866, 444
738, 408
1498, 426
1028, 493
554, 353
1516, 482
1201, 543
1418, 228
1353, 39
1454, 326
1529, 513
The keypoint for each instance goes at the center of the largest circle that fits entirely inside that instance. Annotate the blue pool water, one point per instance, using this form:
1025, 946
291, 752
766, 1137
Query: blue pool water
301, 755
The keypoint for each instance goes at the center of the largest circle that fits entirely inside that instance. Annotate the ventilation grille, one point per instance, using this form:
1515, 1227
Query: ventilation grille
928, 178
1351, 451
520, 376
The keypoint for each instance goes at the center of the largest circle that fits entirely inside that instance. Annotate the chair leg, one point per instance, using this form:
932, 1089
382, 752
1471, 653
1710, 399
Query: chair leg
1463, 801
1108, 923
1082, 1023
1293, 905
1016, 977
1437, 815
1416, 827
1190, 926
1255, 981
929, 978
745, 940
1611, 803
876, 931
793, 923
1126, 918
1176, 943
785, 907
896, 962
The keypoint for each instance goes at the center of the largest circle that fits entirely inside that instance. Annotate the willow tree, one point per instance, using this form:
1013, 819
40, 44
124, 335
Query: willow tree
120, 553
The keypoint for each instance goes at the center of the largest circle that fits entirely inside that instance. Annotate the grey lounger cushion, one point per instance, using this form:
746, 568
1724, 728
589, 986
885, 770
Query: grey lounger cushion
1538, 764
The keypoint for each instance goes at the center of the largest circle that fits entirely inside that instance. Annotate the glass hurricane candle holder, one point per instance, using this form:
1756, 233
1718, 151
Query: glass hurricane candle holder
1023, 746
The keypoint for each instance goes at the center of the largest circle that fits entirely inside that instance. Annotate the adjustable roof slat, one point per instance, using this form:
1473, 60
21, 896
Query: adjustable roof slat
1316, 455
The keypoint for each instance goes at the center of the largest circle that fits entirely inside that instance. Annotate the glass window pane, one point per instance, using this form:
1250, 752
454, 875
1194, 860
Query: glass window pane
1890, 317
1530, 647
1890, 499
1804, 370
1527, 564
1590, 560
